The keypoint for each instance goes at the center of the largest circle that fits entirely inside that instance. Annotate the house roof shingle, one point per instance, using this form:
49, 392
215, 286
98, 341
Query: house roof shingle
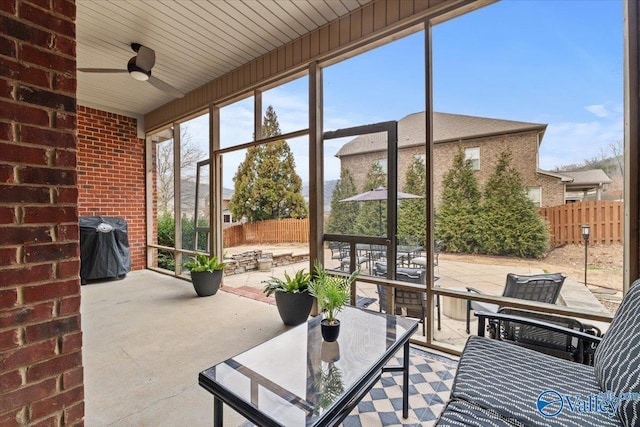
592, 177
446, 127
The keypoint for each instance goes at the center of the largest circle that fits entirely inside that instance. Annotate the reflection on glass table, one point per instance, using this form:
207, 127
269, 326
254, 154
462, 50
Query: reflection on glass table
297, 379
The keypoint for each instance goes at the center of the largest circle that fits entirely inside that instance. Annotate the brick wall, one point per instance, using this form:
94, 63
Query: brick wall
111, 173
41, 375
523, 147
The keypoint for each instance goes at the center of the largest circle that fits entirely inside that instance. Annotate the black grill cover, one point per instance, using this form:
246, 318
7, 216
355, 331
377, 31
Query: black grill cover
104, 247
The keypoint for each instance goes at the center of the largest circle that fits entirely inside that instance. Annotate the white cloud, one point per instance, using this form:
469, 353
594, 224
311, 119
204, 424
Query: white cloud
574, 142
598, 110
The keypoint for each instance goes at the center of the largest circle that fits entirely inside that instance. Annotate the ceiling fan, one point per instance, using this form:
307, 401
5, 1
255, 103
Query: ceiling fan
139, 67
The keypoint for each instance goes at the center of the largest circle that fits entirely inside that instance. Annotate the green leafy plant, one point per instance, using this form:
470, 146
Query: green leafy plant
297, 284
202, 262
332, 292
328, 385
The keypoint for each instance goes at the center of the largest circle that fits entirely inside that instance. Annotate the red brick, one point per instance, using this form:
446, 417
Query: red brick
47, 20
49, 214
67, 195
72, 378
71, 342
15, 417
51, 291
26, 314
6, 174
57, 402
51, 252
8, 6
24, 194
6, 134
23, 275
44, 4
65, 7
73, 414
7, 47
27, 355
51, 421
46, 59
7, 215
8, 256
25, 74
8, 339
23, 114
51, 329
24, 154
67, 233
68, 269
53, 367
46, 98
9, 381
6, 87
50, 137
24, 235
69, 305
66, 46
40, 175
64, 84
64, 121
65, 158
8, 298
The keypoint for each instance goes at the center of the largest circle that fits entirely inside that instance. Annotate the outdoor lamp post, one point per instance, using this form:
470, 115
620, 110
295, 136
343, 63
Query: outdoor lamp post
585, 236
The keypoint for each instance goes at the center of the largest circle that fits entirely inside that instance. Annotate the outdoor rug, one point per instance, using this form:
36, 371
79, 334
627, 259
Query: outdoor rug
430, 381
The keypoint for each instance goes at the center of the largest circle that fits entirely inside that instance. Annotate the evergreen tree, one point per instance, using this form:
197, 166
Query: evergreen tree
457, 214
372, 217
266, 183
412, 221
509, 222
343, 214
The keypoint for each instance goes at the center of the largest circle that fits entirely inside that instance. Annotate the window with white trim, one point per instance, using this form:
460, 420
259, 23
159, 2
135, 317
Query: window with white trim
473, 154
535, 194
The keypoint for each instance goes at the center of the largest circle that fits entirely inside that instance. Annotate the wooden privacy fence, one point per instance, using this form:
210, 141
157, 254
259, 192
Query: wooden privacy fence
604, 217
272, 231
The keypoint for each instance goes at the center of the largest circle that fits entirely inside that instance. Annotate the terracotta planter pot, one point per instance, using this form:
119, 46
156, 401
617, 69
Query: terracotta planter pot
294, 309
206, 283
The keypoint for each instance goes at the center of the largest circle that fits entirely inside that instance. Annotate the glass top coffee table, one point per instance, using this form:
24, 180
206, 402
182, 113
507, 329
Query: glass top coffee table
298, 379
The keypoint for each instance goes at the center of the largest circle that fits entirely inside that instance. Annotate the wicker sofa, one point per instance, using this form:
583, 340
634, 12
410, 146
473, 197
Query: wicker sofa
501, 384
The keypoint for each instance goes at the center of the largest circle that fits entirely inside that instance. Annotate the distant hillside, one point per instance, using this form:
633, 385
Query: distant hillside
188, 190
328, 192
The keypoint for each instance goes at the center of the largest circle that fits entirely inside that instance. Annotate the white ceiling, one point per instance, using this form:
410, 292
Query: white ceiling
194, 41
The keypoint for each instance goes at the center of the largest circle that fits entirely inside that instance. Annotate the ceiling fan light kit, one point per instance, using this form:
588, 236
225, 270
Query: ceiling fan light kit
139, 67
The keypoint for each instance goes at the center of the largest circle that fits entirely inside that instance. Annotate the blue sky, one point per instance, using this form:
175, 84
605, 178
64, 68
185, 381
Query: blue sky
554, 62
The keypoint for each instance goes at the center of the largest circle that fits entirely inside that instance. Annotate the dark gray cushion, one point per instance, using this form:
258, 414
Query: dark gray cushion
617, 358
459, 413
509, 379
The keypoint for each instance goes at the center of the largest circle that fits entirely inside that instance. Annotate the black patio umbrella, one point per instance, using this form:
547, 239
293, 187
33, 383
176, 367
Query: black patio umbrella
378, 194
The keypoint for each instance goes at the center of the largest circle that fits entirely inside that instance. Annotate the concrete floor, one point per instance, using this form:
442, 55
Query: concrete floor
147, 337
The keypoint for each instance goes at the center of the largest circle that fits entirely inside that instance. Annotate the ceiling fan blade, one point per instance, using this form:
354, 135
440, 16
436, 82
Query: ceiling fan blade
165, 87
146, 58
102, 70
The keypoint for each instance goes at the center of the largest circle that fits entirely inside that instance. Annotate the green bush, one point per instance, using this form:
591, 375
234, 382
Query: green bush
509, 223
456, 223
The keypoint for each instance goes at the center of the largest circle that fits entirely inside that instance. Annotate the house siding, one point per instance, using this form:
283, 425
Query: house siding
41, 374
111, 174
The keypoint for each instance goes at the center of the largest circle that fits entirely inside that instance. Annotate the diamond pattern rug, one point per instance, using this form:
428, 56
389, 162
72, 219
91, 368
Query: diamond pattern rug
430, 381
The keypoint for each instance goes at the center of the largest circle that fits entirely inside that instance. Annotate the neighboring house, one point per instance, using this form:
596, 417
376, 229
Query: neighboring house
482, 139
587, 184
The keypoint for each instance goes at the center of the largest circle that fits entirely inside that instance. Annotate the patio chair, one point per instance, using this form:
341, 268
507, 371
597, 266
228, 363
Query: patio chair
543, 339
340, 251
539, 287
408, 303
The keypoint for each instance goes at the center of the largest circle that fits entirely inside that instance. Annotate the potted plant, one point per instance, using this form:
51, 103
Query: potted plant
206, 274
332, 293
292, 297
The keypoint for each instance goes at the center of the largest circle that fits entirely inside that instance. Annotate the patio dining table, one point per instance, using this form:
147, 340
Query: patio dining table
297, 379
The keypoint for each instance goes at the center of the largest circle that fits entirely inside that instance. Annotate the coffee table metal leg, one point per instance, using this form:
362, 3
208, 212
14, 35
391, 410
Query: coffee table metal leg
405, 381
217, 412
